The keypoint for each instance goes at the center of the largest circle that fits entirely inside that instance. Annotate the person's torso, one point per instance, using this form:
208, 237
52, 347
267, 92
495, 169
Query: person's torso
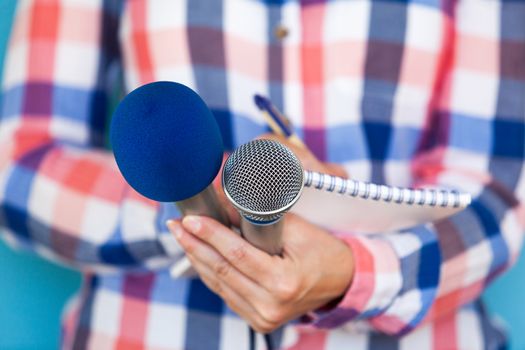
155, 311
357, 79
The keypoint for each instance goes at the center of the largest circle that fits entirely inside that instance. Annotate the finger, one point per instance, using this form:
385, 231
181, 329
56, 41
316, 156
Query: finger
204, 255
230, 297
240, 306
260, 317
236, 298
271, 136
249, 260
336, 170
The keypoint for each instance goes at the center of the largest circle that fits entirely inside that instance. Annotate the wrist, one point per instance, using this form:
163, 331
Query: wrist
336, 274
343, 279
340, 278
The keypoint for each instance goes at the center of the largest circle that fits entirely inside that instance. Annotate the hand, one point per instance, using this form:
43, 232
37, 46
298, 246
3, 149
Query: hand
267, 291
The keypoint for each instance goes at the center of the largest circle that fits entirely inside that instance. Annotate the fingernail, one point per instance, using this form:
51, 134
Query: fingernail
169, 224
174, 228
177, 232
192, 223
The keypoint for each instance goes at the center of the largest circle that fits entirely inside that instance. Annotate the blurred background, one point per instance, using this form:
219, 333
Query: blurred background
34, 291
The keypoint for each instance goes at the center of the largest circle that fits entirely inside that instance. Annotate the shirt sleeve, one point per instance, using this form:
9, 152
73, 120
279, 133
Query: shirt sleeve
61, 193
474, 142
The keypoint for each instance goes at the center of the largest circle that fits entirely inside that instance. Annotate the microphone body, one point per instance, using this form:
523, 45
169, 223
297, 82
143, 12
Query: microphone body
266, 237
204, 203
168, 147
263, 179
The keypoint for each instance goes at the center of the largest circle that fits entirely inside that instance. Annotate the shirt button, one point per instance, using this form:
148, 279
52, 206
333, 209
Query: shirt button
280, 32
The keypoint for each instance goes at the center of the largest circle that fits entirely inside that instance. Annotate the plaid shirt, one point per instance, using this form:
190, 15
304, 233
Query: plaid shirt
423, 92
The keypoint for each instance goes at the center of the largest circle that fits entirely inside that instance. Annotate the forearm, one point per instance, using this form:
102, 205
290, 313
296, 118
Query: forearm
72, 203
403, 279
60, 191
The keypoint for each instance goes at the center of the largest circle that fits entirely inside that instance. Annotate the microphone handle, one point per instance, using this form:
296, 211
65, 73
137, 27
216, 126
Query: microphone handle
204, 203
266, 237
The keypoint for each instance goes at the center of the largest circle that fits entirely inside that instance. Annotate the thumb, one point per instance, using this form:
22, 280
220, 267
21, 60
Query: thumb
336, 170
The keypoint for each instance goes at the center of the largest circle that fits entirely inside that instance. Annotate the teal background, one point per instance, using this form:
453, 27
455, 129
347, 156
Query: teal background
33, 291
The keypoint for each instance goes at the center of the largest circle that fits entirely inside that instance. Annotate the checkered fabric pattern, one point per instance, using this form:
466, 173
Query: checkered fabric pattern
406, 93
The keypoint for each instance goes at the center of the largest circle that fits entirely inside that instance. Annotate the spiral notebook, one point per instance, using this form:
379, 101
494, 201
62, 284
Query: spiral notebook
355, 206
349, 205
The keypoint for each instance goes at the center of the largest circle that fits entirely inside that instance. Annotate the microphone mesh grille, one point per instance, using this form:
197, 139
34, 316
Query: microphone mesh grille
263, 176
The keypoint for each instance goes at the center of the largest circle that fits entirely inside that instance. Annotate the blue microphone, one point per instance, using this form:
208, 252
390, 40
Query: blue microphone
166, 141
168, 147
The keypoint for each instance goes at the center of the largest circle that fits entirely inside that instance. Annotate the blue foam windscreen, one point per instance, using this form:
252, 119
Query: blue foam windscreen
166, 141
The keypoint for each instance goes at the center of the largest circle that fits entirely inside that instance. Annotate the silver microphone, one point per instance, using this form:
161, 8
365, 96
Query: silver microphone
263, 179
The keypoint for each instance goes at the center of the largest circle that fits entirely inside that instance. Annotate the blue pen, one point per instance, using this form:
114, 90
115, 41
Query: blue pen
276, 120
